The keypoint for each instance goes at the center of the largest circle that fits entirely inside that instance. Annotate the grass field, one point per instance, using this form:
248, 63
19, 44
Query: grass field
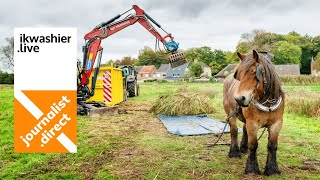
137, 146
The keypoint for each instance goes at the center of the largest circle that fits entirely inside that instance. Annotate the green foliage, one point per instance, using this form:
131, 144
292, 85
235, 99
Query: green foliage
287, 53
148, 57
219, 61
127, 60
232, 57
6, 78
216, 59
203, 54
258, 39
196, 69
149, 80
243, 47
267, 41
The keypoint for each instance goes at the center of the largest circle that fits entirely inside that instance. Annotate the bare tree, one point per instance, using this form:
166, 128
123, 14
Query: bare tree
6, 52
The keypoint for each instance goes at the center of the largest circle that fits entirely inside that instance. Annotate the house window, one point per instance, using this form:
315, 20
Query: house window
178, 75
164, 75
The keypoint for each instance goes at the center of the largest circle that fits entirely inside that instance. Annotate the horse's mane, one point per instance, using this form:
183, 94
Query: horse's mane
272, 86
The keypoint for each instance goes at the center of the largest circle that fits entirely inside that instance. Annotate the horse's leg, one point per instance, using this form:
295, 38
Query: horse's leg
271, 165
234, 148
252, 162
244, 140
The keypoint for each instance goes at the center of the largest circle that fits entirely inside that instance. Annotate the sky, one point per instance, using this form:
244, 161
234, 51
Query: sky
193, 23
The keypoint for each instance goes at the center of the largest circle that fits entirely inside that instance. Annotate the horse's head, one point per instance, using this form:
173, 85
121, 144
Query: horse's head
250, 73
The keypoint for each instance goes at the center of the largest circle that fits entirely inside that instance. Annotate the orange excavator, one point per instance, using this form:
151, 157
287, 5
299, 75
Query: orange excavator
92, 51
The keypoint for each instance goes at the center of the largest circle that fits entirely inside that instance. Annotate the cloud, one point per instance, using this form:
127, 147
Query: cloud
193, 23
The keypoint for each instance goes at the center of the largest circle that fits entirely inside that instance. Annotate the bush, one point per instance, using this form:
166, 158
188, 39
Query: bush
6, 78
150, 80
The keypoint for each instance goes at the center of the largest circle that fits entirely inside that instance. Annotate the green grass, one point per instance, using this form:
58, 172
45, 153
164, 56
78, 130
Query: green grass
137, 146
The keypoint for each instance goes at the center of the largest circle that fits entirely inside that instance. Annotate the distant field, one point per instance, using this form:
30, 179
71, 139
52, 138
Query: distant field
137, 146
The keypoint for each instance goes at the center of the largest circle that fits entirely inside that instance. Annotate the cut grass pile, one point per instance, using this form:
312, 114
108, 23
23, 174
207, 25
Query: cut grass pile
184, 102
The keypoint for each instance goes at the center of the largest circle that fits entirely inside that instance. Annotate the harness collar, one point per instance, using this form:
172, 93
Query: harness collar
264, 108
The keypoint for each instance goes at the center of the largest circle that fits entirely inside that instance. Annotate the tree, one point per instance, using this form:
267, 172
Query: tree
232, 57
244, 47
127, 60
148, 57
6, 78
219, 61
287, 53
203, 54
258, 39
7, 53
196, 69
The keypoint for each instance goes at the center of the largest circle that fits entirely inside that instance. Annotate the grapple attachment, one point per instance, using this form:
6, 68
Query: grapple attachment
177, 59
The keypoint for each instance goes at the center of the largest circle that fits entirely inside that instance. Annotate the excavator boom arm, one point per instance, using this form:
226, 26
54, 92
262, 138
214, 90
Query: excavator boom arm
106, 29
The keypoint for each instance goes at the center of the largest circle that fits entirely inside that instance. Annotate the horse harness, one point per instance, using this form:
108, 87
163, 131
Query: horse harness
273, 106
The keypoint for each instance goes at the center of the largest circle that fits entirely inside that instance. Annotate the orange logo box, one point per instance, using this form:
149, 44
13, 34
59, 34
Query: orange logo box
55, 130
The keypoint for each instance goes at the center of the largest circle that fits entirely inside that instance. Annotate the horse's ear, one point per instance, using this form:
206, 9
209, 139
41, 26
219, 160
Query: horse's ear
255, 55
235, 75
241, 56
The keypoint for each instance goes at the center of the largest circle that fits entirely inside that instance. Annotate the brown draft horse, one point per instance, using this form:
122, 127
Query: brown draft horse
256, 88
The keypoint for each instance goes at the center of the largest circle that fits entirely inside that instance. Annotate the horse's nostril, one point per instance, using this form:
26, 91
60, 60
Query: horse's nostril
240, 99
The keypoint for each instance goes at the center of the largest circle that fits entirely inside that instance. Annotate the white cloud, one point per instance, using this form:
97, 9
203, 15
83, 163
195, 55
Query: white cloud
193, 23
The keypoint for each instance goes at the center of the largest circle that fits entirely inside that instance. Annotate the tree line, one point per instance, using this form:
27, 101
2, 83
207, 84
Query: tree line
291, 48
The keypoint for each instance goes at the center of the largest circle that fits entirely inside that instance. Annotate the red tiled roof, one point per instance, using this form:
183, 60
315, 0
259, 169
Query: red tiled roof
147, 69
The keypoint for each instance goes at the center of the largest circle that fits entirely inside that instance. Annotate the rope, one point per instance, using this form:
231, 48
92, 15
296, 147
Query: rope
228, 118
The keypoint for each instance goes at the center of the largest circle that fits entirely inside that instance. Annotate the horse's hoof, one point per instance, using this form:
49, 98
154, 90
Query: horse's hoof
257, 172
243, 149
252, 169
269, 172
235, 154
234, 151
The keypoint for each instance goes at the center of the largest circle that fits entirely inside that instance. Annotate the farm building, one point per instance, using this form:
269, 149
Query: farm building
147, 72
162, 71
226, 71
313, 67
174, 74
206, 71
287, 69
